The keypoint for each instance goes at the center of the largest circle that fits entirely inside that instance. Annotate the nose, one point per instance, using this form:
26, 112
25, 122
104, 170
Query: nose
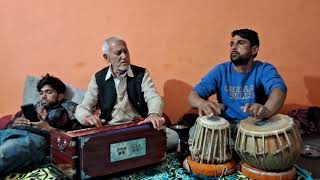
124, 56
234, 47
43, 96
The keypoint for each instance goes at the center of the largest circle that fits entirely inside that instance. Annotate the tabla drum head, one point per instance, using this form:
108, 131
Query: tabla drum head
214, 122
276, 123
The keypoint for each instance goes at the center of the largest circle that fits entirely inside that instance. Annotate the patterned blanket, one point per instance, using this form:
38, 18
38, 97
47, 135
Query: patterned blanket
170, 169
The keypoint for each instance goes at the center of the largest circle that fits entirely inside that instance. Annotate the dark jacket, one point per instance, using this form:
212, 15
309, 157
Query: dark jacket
107, 94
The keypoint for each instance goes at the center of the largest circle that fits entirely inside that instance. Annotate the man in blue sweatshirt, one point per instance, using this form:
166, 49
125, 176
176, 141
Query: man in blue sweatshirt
243, 86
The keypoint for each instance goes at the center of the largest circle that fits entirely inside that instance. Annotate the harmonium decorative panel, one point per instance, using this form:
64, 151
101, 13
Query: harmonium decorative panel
94, 152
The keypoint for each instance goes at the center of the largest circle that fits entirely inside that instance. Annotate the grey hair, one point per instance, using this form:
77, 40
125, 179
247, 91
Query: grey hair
106, 46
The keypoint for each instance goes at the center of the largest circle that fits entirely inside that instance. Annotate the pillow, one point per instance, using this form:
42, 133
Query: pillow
31, 94
4, 121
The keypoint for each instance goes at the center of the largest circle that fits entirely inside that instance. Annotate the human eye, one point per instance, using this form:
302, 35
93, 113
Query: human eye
243, 42
117, 52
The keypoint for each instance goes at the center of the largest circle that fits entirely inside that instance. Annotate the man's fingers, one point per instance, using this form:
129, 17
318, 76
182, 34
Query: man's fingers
163, 120
142, 122
253, 110
211, 114
209, 108
209, 111
154, 123
157, 123
145, 121
93, 120
246, 107
36, 123
97, 122
260, 111
20, 124
89, 121
214, 108
160, 123
21, 121
200, 112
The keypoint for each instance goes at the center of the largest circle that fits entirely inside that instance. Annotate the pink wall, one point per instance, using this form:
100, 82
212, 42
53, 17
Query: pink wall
178, 41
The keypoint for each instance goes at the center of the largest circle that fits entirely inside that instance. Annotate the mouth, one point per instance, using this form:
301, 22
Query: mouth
43, 102
124, 63
234, 52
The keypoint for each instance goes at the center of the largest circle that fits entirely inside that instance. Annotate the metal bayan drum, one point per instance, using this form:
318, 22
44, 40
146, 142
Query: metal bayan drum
271, 145
259, 174
210, 142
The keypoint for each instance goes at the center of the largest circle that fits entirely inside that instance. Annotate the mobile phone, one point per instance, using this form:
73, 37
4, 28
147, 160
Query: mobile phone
29, 112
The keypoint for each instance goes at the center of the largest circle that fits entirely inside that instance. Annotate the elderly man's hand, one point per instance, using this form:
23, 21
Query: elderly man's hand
157, 121
256, 110
93, 120
21, 122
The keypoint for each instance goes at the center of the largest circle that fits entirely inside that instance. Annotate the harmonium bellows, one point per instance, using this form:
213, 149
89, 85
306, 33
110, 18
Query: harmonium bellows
94, 152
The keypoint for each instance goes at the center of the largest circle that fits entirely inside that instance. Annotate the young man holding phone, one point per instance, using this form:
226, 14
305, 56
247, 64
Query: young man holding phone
24, 143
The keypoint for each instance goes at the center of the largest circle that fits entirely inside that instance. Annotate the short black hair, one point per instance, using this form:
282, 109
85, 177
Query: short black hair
53, 82
248, 34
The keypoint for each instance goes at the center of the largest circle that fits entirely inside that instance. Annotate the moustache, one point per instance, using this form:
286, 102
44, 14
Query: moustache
235, 52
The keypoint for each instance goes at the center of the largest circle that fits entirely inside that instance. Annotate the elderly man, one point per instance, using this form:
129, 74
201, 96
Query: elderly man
244, 86
23, 144
122, 91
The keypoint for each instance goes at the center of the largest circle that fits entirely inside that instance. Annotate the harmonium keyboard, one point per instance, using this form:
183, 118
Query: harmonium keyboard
96, 152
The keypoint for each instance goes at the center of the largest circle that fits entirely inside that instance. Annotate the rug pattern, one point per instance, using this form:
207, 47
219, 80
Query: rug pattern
170, 169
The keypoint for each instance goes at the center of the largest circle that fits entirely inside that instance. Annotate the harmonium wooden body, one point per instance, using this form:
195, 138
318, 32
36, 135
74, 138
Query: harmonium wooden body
96, 152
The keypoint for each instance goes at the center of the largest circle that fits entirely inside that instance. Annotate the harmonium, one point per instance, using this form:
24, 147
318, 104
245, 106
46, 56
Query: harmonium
96, 152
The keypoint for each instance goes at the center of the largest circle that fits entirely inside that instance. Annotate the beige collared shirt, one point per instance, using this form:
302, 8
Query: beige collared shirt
123, 110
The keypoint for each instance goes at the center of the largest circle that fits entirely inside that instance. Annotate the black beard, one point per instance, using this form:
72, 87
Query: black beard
50, 105
239, 61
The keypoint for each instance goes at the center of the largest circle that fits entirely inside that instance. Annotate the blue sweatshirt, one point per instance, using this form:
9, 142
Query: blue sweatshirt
234, 89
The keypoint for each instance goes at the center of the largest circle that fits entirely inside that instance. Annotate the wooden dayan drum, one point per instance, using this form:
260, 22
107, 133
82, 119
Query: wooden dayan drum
271, 145
210, 143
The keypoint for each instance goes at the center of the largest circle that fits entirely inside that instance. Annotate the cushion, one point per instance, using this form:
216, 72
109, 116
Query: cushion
31, 94
4, 121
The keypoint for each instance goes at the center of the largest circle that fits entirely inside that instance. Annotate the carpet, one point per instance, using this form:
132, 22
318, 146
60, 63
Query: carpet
170, 169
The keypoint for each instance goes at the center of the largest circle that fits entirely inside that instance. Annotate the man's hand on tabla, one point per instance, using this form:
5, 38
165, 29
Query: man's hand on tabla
256, 110
210, 108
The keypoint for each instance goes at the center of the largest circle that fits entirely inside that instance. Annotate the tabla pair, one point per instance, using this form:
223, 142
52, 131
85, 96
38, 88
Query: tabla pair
268, 148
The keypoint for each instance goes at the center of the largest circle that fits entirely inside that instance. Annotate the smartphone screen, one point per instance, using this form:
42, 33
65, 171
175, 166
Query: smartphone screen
30, 113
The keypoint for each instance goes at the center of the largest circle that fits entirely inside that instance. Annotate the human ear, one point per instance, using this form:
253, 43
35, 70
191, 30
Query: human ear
106, 57
255, 50
60, 97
